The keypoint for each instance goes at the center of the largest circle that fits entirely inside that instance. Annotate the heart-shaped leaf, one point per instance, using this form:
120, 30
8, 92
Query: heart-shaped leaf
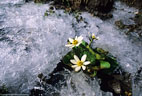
104, 65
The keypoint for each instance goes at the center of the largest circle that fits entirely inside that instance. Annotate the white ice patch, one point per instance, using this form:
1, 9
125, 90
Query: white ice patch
12, 2
78, 84
34, 44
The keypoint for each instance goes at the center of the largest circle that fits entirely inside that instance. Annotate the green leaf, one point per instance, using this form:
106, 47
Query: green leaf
84, 43
104, 65
99, 57
79, 51
95, 68
94, 74
101, 51
68, 57
112, 60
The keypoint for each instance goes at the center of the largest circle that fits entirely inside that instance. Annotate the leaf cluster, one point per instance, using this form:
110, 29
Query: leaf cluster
100, 59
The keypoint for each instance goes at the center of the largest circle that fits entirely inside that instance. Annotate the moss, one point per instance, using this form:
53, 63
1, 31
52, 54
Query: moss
3, 90
134, 3
41, 1
133, 28
120, 24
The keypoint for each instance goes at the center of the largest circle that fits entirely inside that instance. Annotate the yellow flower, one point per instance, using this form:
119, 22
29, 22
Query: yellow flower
74, 42
78, 64
94, 37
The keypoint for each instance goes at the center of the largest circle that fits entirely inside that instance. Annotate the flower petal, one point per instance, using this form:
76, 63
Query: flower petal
77, 68
80, 38
71, 40
83, 58
83, 67
78, 43
74, 66
73, 61
76, 58
68, 45
98, 38
76, 38
86, 63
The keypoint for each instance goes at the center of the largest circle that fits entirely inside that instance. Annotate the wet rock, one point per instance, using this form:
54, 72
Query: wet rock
119, 83
98, 8
115, 85
72, 4
3, 90
137, 84
103, 6
37, 91
75, 4
134, 3
28, 0
103, 16
119, 24
40, 1
138, 17
132, 29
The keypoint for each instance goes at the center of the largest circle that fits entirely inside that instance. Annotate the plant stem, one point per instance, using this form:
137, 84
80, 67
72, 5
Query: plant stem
90, 50
90, 42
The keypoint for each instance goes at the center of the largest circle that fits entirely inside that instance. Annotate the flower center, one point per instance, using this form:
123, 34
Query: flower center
75, 42
79, 63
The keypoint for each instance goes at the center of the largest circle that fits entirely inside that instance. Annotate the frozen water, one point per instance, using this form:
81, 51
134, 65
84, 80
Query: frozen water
31, 43
115, 41
13, 2
78, 84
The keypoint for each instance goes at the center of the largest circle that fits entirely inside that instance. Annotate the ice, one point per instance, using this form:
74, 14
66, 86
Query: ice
115, 41
79, 84
34, 44
13, 2
31, 43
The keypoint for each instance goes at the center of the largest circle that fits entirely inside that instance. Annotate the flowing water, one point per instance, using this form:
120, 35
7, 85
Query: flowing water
31, 43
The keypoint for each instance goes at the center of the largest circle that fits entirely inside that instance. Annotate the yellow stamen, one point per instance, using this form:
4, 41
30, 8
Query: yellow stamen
79, 63
75, 42
69, 43
128, 94
93, 36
